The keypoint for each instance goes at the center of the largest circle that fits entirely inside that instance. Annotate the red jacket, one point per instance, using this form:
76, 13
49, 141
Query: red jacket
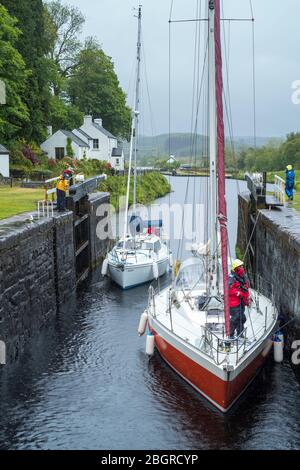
238, 291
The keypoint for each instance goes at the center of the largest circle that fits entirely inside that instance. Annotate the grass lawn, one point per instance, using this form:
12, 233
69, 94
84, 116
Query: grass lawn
14, 201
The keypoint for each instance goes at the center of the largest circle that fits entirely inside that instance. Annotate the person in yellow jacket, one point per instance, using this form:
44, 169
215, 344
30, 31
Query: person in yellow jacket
61, 191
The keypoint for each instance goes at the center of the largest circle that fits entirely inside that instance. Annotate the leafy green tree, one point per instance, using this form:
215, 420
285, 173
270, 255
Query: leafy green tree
33, 45
290, 150
14, 114
95, 89
70, 151
63, 25
63, 115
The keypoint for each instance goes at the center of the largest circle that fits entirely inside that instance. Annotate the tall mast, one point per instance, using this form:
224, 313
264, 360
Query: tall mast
212, 149
128, 182
137, 101
134, 130
222, 205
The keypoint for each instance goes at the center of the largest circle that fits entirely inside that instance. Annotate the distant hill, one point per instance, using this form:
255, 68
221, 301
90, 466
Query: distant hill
180, 145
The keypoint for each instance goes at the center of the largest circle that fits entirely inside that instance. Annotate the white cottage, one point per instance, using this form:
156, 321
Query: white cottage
103, 145
4, 161
90, 140
56, 145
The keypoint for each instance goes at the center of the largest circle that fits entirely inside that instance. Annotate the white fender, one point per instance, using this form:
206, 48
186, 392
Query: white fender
280, 336
278, 349
104, 269
150, 344
143, 323
155, 269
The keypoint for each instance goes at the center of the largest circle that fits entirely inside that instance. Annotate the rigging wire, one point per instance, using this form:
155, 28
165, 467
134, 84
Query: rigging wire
196, 74
169, 113
151, 114
228, 110
253, 75
199, 96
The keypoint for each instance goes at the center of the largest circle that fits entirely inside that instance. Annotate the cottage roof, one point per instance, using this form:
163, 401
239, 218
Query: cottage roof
74, 138
84, 134
104, 131
3, 150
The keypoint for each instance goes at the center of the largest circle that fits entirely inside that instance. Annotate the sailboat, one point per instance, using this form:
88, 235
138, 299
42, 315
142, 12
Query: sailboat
189, 322
143, 255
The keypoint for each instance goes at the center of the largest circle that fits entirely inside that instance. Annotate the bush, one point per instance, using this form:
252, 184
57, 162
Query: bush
29, 154
149, 187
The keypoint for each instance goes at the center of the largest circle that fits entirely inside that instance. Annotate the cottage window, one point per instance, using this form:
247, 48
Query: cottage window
59, 153
117, 161
95, 144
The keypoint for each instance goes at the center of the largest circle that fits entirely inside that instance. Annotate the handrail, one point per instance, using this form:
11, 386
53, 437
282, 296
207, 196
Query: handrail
279, 189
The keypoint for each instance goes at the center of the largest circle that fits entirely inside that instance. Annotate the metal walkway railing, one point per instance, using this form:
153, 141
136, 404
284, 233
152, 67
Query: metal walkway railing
279, 189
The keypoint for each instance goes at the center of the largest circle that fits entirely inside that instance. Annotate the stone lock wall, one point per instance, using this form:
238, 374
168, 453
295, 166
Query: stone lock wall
26, 285
38, 270
30, 273
276, 258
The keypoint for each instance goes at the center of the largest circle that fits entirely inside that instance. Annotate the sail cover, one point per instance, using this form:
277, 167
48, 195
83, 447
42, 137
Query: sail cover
222, 207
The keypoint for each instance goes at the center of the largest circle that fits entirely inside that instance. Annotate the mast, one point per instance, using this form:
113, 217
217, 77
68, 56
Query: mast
137, 101
222, 205
212, 149
128, 181
134, 129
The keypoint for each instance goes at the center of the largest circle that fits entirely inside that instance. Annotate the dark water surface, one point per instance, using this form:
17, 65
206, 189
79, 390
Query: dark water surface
85, 383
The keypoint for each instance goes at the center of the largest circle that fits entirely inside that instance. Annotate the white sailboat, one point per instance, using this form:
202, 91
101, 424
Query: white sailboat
189, 322
143, 256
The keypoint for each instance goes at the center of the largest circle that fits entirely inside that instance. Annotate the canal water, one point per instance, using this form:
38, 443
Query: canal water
85, 383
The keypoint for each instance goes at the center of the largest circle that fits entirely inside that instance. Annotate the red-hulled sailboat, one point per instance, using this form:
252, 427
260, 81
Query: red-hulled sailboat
189, 322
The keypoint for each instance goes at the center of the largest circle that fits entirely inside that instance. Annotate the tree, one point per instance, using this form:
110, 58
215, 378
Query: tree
63, 115
63, 25
94, 88
70, 151
33, 45
14, 114
290, 150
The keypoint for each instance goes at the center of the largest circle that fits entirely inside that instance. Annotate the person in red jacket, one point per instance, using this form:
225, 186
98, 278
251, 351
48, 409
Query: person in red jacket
239, 297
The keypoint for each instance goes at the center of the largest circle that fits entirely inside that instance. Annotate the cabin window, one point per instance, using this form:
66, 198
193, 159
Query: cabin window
117, 161
59, 153
95, 144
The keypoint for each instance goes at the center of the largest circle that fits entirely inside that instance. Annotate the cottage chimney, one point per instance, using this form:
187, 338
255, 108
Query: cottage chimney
88, 120
49, 131
98, 121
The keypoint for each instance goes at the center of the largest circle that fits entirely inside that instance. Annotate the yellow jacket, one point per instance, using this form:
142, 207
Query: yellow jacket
62, 184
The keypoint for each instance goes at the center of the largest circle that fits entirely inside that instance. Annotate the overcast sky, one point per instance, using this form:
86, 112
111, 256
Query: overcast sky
277, 59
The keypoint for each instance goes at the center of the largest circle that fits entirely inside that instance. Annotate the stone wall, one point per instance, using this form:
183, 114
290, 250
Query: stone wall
27, 280
278, 262
276, 245
38, 270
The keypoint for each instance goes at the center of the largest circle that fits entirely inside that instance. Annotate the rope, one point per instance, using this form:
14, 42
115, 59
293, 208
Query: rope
251, 236
253, 75
229, 111
152, 123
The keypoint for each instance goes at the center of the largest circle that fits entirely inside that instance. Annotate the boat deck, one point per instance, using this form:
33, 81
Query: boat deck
205, 330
